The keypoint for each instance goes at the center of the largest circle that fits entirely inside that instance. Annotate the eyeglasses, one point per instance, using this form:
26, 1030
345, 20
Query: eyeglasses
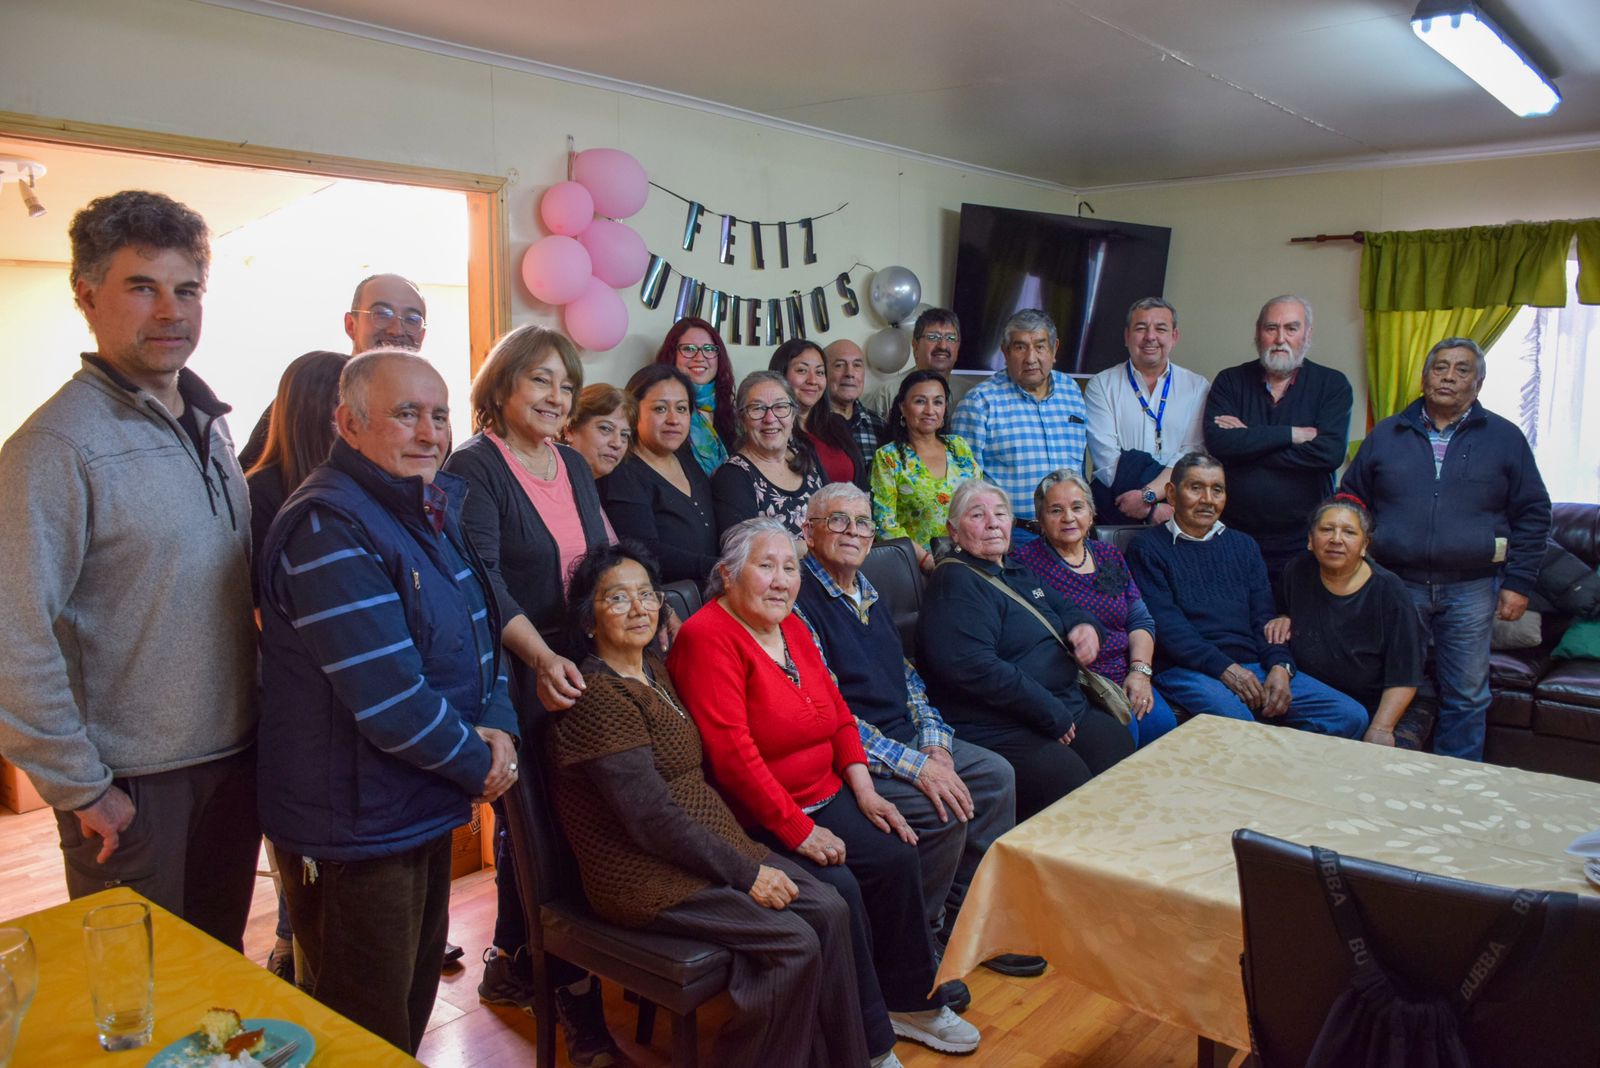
688, 351
384, 317
951, 338
838, 522
756, 411
619, 602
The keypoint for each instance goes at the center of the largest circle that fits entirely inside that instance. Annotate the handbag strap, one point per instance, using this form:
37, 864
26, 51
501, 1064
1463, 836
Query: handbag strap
1014, 595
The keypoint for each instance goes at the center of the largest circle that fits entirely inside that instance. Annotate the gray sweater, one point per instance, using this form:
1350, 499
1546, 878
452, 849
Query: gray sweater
125, 583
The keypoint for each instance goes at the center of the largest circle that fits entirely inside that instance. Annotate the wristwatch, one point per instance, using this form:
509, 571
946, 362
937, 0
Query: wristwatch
1141, 667
1147, 495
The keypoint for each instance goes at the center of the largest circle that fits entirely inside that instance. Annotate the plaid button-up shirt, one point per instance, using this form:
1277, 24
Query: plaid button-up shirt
870, 430
1019, 438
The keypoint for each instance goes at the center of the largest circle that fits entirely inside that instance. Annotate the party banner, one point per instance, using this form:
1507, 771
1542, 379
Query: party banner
745, 320
728, 233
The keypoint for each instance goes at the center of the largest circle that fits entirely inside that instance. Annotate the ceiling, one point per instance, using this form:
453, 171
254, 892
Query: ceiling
1083, 93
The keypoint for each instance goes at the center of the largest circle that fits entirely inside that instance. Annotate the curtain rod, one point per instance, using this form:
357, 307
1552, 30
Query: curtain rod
1358, 237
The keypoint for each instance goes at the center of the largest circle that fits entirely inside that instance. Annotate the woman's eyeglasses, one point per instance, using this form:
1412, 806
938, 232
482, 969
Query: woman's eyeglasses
619, 602
688, 351
756, 411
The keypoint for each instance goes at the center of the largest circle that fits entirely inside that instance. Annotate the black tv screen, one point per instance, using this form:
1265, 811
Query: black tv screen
1083, 272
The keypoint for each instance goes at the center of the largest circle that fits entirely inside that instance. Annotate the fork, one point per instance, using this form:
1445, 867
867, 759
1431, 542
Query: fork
281, 1054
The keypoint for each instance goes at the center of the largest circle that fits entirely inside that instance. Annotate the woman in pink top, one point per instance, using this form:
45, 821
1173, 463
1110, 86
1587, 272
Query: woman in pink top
532, 511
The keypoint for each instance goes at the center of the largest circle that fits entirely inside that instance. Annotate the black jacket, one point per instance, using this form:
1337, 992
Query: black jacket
1442, 528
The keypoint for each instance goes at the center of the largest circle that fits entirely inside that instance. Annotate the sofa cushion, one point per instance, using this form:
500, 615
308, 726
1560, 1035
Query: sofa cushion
1523, 633
1580, 642
1511, 708
1556, 719
1571, 682
1517, 669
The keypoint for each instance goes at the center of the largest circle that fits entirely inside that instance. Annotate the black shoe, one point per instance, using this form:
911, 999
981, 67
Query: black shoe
452, 954
280, 962
1018, 964
501, 983
583, 1022
956, 996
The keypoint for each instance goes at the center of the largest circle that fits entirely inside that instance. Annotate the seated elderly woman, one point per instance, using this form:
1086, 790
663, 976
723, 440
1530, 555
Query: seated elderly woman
1000, 651
783, 748
1093, 575
1352, 623
658, 848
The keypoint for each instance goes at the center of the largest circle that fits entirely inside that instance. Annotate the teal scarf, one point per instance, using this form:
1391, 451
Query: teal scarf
708, 449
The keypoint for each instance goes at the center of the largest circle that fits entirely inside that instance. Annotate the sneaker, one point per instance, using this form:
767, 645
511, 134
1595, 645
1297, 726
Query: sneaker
938, 1029
583, 1022
280, 961
502, 985
1019, 964
452, 955
886, 1060
956, 995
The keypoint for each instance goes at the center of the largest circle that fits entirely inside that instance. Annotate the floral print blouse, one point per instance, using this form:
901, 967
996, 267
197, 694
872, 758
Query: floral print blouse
907, 501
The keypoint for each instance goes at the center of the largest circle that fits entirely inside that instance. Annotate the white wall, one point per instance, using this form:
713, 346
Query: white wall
189, 68
1231, 251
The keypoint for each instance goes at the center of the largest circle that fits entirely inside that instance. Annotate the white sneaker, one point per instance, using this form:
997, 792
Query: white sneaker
888, 1060
938, 1029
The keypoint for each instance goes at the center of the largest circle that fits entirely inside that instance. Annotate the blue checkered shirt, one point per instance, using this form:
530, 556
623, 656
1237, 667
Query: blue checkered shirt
870, 431
1018, 438
887, 758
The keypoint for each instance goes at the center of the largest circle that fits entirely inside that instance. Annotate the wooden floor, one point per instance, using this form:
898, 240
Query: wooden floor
1046, 1022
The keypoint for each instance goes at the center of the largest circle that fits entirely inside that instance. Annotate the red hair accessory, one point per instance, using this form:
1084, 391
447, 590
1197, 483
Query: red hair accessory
1352, 498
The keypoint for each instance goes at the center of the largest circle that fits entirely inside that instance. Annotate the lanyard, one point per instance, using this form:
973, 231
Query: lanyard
1161, 409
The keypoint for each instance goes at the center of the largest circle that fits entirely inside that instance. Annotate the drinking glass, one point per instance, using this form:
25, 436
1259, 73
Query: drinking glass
10, 1016
121, 974
18, 959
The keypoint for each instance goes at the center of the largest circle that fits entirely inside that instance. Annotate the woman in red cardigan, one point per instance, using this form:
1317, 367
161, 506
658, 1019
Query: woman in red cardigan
783, 748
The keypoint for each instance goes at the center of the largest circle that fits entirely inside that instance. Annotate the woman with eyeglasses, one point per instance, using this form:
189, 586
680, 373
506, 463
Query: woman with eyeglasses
694, 347
533, 510
659, 849
658, 495
601, 427
772, 474
914, 475
801, 363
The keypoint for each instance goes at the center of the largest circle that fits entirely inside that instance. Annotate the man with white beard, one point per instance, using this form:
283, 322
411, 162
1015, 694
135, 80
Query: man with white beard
1279, 424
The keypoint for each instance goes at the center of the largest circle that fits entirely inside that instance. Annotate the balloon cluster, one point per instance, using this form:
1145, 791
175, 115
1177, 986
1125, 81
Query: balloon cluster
588, 255
894, 294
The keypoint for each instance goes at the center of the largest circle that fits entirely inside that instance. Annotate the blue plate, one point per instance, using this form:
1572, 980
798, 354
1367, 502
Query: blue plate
188, 1052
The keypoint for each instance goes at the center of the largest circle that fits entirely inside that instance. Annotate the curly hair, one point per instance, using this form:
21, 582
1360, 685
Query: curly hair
138, 219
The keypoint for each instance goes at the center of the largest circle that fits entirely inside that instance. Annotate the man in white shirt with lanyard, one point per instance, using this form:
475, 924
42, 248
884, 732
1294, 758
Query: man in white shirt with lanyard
1144, 413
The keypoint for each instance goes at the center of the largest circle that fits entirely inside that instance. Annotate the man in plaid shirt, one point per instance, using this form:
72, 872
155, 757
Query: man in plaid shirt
846, 370
957, 796
1029, 419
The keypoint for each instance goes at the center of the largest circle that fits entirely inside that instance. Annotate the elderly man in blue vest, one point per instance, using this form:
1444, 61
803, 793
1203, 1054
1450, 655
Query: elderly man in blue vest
957, 796
385, 711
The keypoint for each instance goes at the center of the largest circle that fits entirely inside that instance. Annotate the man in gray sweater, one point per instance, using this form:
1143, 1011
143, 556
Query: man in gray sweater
128, 690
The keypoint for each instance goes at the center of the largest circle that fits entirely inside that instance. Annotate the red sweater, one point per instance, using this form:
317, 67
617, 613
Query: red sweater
772, 748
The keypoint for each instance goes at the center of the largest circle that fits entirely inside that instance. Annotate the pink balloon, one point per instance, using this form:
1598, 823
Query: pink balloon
566, 208
615, 179
617, 252
556, 268
598, 319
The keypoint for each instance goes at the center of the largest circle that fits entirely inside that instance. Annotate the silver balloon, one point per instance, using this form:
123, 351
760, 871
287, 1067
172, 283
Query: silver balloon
888, 349
894, 293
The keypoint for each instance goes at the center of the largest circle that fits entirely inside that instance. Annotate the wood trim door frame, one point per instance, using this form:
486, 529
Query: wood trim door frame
488, 258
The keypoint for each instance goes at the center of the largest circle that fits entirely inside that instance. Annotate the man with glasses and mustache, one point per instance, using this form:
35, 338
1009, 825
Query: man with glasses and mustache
386, 312
1280, 423
935, 344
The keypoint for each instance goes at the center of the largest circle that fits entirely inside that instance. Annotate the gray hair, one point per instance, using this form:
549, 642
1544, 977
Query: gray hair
1283, 298
1144, 303
1027, 321
969, 488
360, 371
737, 545
1460, 343
823, 501
1051, 481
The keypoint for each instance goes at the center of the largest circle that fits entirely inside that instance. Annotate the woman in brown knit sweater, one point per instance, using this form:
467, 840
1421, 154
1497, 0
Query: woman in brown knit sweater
657, 847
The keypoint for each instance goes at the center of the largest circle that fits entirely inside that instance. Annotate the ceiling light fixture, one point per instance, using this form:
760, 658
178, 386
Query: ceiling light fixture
23, 172
1459, 31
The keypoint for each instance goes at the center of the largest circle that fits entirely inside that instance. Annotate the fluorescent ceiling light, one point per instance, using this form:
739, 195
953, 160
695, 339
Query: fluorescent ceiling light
1459, 31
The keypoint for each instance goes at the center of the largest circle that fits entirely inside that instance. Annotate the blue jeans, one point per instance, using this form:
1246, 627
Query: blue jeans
1459, 617
1158, 721
1313, 706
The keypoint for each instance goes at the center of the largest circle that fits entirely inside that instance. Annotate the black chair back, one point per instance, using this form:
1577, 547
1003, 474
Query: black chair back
546, 868
684, 596
892, 569
1541, 1007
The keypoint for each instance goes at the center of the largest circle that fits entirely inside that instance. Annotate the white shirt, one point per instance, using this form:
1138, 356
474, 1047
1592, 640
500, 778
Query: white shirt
1117, 422
1178, 533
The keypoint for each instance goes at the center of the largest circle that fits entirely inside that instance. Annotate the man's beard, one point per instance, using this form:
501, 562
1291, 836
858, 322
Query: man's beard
1280, 362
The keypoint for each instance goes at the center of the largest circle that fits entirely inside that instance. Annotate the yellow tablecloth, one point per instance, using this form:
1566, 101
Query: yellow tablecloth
1128, 886
193, 973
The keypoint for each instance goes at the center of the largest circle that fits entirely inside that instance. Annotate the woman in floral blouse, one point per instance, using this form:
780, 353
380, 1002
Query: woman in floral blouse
914, 475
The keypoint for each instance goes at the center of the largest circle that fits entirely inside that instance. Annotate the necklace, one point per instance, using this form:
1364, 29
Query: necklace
649, 680
1082, 560
549, 461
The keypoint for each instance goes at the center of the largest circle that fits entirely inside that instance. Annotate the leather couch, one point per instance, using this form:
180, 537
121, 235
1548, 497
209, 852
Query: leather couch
1545, 714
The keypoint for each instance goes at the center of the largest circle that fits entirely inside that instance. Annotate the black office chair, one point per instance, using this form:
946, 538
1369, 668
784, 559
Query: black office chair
892, 569
1542, 1007
678, 974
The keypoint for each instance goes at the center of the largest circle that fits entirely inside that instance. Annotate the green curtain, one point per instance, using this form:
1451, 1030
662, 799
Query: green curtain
1420, 286
1589, 261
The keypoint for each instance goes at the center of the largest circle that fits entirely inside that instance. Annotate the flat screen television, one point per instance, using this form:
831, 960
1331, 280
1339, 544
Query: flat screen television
1084, 273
